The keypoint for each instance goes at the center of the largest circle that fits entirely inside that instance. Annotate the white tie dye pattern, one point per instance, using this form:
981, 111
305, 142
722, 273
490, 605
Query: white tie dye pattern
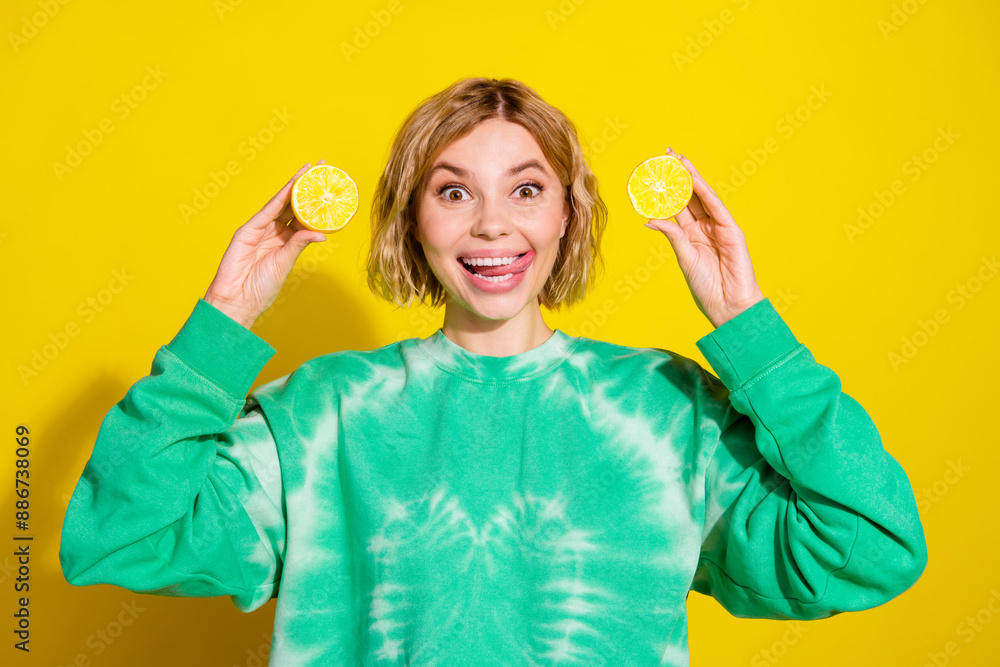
530, 532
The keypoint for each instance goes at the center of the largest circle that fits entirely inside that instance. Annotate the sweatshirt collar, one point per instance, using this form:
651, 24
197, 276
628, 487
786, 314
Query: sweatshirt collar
483, 368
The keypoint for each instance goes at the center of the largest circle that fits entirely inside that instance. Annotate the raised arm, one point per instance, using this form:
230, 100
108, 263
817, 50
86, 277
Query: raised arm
806, 514
179, 497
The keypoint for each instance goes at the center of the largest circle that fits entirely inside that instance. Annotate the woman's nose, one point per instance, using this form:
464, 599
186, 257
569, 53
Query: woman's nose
492, 219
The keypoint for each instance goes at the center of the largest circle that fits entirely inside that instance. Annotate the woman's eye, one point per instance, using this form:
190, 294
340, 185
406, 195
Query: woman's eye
451, 195
527, 187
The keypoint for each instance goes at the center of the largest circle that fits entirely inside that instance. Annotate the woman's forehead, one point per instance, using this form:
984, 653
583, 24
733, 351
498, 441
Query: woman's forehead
500, 140
532, 163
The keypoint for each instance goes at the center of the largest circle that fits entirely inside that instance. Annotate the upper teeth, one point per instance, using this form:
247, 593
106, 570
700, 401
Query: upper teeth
488, 261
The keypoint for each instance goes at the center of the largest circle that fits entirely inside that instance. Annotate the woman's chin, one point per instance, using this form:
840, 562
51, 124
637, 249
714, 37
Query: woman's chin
495, 312
495, 307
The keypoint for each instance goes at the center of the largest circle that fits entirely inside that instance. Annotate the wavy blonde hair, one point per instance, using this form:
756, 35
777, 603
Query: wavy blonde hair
398, 271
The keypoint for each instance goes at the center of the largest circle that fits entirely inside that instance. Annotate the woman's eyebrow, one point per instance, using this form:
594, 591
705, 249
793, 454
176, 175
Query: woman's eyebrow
462, 173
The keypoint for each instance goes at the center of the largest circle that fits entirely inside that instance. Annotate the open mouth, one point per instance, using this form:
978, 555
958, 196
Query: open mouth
499, 272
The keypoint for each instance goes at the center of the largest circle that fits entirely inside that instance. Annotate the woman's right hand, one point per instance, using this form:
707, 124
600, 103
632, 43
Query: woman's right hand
260, 257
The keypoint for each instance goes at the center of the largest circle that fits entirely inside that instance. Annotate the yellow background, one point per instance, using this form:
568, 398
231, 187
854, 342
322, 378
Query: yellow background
635, 77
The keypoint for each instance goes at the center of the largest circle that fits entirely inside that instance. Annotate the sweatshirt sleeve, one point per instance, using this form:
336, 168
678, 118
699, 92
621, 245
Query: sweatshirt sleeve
806, 515
182, 495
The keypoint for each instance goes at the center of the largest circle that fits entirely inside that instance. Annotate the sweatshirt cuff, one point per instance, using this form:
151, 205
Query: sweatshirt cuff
221, 349
747, 344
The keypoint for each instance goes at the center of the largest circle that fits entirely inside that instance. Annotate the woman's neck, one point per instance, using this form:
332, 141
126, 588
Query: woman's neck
496, 338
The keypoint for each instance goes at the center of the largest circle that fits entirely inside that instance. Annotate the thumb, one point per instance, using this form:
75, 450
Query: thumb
674, 234
300, 239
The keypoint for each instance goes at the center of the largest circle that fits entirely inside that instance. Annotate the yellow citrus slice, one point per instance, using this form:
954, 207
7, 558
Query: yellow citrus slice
660, 187
324, 198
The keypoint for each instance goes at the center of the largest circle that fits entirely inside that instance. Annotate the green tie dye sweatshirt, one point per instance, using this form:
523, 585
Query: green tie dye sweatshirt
419, 504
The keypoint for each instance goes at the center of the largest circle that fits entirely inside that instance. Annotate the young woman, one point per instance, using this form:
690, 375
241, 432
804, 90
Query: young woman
498, 492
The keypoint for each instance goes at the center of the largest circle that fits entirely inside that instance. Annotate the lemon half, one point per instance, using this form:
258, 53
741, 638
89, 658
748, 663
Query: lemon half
324, 198
660, 187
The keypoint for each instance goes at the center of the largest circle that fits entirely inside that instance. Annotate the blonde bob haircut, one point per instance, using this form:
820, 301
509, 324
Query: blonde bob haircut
397, 268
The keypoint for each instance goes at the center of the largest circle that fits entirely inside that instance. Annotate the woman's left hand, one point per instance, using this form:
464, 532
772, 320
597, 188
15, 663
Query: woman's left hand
712, 253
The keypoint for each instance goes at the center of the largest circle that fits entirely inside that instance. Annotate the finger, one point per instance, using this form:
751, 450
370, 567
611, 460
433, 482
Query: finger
678, 239
693, 209
707, 199
684, 217
697, 208
287, 214
297, 243
290, 222
695, 174
272, 209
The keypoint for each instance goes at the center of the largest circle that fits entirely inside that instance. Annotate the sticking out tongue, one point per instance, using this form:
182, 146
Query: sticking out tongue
491, 270
500, 270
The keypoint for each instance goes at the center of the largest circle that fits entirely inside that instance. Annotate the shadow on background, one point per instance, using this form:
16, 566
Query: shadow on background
316, 318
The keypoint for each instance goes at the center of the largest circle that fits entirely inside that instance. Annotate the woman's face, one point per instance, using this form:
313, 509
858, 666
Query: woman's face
492, 194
